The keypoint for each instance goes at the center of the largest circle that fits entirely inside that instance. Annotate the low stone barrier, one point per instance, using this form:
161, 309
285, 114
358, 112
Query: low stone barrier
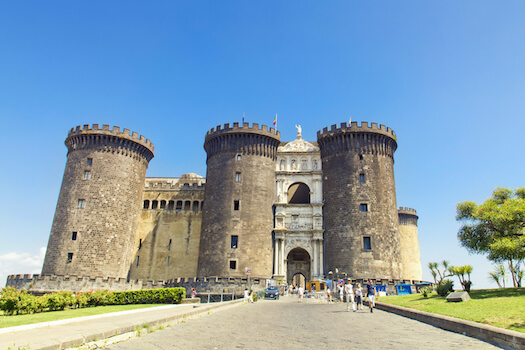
498, 336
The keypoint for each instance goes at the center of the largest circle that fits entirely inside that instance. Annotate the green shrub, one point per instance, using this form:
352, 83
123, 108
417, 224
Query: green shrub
150, 296
99, 298
444, 287
59, 300
10, 300
426, 291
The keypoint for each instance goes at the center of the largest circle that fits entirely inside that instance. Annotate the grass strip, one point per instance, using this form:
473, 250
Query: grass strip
18, 320
503, 308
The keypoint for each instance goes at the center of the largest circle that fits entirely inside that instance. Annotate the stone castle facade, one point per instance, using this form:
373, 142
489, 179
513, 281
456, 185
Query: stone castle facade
288, 211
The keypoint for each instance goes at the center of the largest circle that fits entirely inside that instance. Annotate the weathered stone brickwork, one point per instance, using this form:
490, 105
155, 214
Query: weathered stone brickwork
169, 228
410, 256
360, 201
290, 211
99, 200
239, 195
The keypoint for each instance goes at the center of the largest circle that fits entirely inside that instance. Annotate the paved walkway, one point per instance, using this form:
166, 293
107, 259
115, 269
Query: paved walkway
287, 324
74, 332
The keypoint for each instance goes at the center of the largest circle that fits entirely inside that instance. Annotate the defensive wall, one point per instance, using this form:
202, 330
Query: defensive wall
40, 284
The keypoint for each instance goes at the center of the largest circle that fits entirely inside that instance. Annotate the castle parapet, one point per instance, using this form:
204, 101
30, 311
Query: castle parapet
362, 139
92, 135
244, 128
355, 127
407, 216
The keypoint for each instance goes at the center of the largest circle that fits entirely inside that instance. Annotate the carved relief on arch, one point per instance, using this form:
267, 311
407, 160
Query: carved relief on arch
304, 243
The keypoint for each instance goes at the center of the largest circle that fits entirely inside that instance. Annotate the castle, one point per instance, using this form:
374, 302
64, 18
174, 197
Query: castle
288, 211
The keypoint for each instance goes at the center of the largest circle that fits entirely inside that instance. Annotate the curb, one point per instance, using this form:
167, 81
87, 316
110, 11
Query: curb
504, 338
75, 340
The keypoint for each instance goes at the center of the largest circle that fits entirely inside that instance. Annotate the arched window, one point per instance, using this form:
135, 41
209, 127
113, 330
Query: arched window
298, 193
162, 204
146, 204
195, 206
171, 205
154, 204
187, 205
179, 205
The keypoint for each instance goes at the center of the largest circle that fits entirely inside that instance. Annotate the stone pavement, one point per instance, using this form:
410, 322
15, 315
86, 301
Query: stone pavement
287, 324
75, 332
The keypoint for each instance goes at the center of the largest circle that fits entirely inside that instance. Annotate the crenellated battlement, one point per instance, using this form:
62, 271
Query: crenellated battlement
361, 139
406, 210
244, 128
126, 133
93, 135
407, 216
355, 127
245, 139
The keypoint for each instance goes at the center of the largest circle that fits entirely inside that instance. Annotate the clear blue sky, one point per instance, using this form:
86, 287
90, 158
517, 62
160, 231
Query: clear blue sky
447, 76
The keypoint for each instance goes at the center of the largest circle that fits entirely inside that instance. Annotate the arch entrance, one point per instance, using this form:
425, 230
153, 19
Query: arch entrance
298, 267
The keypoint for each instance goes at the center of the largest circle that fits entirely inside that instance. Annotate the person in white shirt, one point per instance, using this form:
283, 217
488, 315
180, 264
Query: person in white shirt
349, 290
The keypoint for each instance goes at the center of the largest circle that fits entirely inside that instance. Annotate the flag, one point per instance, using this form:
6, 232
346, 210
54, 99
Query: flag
275, 120
243, 118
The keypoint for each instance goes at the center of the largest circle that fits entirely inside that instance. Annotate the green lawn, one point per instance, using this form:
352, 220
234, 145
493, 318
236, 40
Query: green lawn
504, 308
18, 320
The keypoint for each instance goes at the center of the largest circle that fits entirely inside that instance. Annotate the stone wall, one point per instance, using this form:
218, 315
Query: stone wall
360, 201
95, 224
239, 195
169, 235
410, 255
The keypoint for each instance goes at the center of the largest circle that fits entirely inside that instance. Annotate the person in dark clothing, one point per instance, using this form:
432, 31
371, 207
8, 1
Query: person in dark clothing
371, 293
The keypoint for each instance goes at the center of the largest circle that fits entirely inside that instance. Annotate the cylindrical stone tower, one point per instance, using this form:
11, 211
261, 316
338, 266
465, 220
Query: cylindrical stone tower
96, 217
360, 209
409, 244
237, 218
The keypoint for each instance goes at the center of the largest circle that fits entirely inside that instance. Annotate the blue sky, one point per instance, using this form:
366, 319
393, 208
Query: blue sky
447, 76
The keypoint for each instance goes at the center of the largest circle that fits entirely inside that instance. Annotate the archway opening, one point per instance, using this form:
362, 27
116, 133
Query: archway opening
298, 267
298, 193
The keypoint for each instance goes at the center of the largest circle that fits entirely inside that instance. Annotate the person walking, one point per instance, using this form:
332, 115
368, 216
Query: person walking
359, 296
300, 292
371, 292
341, 288
349, 290
328, 295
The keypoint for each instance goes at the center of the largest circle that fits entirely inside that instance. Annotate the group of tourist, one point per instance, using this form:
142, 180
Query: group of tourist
354, 296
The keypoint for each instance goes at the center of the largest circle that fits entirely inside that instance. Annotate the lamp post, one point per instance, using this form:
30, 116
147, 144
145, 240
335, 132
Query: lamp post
330, 274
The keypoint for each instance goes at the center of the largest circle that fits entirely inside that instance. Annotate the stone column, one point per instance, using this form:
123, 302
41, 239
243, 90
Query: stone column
281, 262
276, 257
321, 258
316, 270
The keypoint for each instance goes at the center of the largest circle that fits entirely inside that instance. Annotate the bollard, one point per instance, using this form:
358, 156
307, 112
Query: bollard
222, 291
233, 294
208, 297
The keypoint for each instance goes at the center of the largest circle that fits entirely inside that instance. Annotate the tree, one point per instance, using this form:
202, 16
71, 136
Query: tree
434, 270
499, 274
496, 228
460, 272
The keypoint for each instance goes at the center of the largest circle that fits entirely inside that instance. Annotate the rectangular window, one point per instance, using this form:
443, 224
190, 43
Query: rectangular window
74, 236
140, 243
168, 261
367, 244
137, 263
235, 205
233, 265
234, 241
238, 177
81, 203
363, 207
69, 258
87, 175
169, 245
90, 161
362, 178
238, 157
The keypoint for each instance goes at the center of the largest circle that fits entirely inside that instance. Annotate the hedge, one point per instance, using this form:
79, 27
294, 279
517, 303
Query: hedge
13, 301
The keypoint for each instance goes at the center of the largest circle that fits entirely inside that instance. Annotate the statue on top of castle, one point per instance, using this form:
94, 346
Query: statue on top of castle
299, 131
